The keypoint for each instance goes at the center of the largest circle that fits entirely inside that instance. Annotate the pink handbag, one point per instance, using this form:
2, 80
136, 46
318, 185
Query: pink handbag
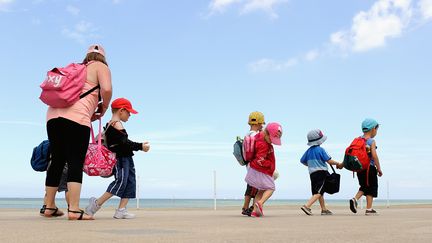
99, 160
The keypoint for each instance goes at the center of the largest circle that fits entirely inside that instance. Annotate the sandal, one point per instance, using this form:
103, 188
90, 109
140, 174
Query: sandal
81, 214
56, 212
42, 210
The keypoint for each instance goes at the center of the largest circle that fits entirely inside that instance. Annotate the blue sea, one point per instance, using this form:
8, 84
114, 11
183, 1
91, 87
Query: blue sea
13, 203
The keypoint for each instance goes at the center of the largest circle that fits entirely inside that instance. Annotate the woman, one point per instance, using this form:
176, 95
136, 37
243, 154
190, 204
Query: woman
69, 132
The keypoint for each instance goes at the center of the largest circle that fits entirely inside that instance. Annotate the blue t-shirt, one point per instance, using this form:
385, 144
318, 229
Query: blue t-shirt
315, 158
369, 142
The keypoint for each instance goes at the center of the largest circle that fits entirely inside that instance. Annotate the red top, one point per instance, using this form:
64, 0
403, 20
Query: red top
264, 160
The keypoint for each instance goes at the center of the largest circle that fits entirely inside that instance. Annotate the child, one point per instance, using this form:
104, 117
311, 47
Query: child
370, 190
256, 122
262, 166
124, 185
54, 212
315, 158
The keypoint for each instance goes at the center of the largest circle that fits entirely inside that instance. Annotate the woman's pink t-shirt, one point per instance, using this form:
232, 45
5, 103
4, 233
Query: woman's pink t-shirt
80, 112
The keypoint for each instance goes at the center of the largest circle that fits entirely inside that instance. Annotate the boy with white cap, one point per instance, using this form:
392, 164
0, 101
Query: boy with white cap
316, 159
368, 179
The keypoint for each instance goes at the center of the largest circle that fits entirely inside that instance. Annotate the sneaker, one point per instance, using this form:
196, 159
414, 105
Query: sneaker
307, 210
245, 211
371, 212
259, 208
93, 207
326, 212
353, 205
123, 214
254, 215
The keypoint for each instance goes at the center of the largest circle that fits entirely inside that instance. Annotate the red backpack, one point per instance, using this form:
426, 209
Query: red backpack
249, 147
356, 157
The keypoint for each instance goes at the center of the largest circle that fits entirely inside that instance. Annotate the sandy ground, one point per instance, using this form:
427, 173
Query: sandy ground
280, 224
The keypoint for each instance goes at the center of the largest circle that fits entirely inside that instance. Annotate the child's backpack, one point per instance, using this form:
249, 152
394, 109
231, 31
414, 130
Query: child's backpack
238, 151
356, 158
249, 147
41, 156
63, 86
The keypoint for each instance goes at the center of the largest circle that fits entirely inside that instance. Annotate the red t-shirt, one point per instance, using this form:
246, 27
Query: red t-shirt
264, 160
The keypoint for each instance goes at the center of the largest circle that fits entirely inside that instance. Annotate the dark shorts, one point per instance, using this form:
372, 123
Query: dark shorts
317, 181
63, 180
62, 187
251, 191
372, 188
124, 184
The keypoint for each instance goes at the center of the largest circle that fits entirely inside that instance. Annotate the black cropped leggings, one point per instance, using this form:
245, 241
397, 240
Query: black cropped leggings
68, 142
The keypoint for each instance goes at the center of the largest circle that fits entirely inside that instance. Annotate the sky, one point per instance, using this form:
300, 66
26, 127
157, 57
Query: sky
195, 70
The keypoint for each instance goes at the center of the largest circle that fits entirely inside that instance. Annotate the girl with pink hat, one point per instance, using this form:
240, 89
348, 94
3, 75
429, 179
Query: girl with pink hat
262, 166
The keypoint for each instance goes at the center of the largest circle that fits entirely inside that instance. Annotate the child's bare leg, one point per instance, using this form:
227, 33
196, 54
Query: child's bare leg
104, 198
322, 203
259, 195
358, 195
369, 200
312, 200
123, 202
246, 203
265, 196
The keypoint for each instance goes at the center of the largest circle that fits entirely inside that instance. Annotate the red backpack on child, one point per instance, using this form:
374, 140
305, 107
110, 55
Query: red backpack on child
356, 157
249, 147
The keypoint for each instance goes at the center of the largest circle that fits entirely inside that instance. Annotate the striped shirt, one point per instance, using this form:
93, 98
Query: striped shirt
315, 158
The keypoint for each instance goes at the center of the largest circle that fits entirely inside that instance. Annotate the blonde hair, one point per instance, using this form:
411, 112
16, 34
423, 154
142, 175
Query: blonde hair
94, 56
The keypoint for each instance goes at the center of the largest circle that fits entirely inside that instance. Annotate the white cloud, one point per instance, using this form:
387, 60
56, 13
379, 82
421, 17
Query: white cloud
371, 29
261, 5
426, 8
218, 6
73, 10
311, 55
385, 20
265, 65
4, 4
81, 32
246, 6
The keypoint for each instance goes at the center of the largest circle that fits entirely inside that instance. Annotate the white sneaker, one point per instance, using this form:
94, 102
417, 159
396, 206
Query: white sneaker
93, 207
123, 214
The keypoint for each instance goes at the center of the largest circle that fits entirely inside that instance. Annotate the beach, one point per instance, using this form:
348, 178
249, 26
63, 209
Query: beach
407, 223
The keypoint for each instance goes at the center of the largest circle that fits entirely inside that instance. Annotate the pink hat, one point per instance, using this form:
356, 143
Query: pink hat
275, 131
96, 48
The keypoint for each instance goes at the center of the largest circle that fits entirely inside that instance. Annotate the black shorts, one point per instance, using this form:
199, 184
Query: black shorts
251, 191
372, 188
317, 181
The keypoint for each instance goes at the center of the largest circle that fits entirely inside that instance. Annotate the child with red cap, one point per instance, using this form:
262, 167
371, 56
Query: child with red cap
262, 166
124, 184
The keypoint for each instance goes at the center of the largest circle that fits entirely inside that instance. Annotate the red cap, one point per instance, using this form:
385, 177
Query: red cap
123, 103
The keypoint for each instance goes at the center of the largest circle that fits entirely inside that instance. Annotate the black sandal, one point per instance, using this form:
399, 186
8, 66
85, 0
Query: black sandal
55, 212
81, 213
42, 210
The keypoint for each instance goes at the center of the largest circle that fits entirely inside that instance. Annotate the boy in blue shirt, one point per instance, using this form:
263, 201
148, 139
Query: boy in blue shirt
316, 159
